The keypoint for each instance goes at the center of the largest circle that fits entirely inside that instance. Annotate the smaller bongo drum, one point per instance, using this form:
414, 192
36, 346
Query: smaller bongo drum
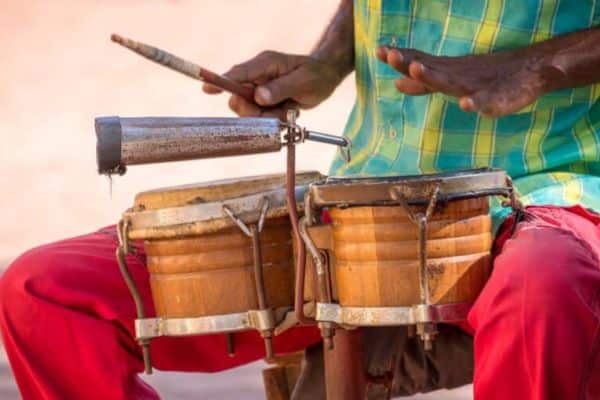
220, 256
405, 250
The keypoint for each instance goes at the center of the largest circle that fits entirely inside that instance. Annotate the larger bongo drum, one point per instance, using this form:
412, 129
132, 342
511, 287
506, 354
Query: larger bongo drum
219, 254
408, 250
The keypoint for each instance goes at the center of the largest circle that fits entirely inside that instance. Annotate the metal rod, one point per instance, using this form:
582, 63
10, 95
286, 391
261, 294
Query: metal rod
230, 344
300, 249
423, 286
185, 67
345, 374
323, 278
121, 251
342, 142
339, 141
260, 286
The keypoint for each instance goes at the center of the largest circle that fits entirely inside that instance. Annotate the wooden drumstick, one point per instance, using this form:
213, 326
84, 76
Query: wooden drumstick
185, 67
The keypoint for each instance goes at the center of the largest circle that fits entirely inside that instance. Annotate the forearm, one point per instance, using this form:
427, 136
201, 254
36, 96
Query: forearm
336, 46
570, 60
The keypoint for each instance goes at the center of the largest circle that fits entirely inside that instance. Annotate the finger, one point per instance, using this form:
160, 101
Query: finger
395, 59
211, 89
437, 81
381, 53
482, 102
400, 59
286, 87
244, 108
259, 68
467, 104
411, 87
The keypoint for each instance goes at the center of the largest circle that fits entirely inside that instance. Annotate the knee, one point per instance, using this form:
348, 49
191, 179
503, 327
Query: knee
16, 282
544, 265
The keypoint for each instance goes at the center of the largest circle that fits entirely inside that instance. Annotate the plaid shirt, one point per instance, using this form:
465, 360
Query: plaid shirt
551, 148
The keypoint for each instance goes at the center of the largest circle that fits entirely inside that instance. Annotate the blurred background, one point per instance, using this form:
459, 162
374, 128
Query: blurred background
59, 71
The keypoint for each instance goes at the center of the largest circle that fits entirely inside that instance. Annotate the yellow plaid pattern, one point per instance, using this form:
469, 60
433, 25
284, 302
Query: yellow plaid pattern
551, 148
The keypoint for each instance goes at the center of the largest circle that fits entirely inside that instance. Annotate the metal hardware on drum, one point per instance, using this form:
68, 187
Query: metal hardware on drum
253, 231
392, 316
426, 330
262, 320
121, 252
290, 184
132, 141
323, 286
230, 344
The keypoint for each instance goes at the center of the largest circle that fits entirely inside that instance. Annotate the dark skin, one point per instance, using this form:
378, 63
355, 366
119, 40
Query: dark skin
494, 84
500, 83
285, 81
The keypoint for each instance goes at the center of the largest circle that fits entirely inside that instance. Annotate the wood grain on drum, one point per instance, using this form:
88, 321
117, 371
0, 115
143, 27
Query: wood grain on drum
213, 274
376, 252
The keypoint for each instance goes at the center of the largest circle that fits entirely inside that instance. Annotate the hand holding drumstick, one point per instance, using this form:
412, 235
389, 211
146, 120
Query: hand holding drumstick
265, 86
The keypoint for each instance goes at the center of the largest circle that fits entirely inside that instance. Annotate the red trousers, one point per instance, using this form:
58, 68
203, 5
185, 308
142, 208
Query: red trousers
67, 318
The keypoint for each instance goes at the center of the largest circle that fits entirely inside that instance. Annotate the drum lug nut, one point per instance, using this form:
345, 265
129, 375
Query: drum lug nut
427, 332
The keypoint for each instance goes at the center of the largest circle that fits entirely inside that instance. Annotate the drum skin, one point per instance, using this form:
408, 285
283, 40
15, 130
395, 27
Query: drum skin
213, 274
376, 252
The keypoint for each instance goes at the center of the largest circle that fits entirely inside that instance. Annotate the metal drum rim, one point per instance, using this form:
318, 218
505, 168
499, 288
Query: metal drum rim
375, 191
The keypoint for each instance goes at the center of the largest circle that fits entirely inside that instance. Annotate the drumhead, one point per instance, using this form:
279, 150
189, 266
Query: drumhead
416, 189
198, 208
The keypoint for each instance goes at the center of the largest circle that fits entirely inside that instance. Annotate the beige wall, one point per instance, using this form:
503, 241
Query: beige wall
58, 70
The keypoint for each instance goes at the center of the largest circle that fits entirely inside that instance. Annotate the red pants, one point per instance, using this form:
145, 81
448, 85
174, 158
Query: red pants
67, 319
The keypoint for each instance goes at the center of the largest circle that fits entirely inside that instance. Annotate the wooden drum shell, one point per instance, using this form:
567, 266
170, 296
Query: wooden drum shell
213, 274
376, 251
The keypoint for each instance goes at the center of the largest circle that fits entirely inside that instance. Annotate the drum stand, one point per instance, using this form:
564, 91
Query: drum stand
344, 374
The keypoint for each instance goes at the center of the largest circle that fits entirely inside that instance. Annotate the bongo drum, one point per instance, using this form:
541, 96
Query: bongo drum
219, 254
406, 250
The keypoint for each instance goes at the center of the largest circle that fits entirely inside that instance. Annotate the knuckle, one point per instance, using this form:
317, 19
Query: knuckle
234, 104
236, 71
269, 54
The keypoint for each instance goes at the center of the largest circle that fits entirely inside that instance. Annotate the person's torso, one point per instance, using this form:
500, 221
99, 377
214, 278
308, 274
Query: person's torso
397, 134
558, 137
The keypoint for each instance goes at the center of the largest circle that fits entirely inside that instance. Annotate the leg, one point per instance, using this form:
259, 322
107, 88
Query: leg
537, 320
67, 322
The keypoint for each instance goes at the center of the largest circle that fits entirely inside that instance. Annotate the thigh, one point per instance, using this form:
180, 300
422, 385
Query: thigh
82, 274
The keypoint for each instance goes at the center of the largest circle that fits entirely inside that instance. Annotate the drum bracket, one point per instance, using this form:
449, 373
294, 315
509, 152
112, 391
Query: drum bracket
122, 251
262, 320
391, 316
297, 134
253, 232
426, 329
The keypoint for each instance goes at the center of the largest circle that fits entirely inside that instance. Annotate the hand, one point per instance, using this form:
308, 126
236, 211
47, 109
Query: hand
493, 84
282, 81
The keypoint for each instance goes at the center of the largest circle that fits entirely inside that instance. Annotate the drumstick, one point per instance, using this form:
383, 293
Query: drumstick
185, 67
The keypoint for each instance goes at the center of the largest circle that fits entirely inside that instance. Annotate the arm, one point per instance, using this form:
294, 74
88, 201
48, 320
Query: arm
284, 81
336, 45
501, 83
571, 60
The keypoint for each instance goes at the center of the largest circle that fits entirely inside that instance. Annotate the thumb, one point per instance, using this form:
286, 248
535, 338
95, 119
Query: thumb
283, 88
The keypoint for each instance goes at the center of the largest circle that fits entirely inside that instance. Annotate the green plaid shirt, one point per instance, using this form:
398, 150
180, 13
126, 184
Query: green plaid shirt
551, 149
